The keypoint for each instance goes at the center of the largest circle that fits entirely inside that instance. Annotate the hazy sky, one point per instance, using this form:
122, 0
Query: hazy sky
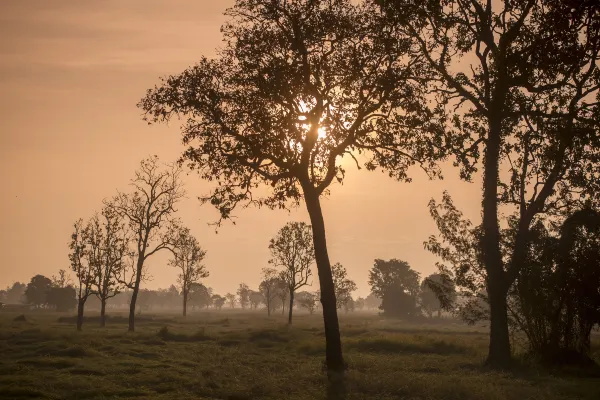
71, 73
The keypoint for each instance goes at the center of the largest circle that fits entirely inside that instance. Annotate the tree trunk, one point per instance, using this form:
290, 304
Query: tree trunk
103, 312
80, 306
439, 313
499, 350
282, 306
134, 295
185, 295
269, 307
333, 344
291, 307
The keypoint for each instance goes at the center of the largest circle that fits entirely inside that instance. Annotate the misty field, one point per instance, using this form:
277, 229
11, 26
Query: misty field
234, 355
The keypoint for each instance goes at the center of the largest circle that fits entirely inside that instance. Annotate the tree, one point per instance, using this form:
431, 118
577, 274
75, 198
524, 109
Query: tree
114, 253
359, 303
84, 257
349, 305
199, 295
307, 300
37, 290
149, 210
231, 299
269, 288
218, 301
282, 292
525, 103
292, 250
255, 298
372, 302
187, 257
15, 294
397, 285
343, 285
62, 280
62, 298
243, 294
298, 86
435, 287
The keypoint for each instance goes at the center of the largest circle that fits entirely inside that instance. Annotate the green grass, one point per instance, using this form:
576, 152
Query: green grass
232, 355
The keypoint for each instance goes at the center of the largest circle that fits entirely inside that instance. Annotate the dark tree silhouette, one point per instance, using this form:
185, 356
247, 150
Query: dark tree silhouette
37, 290
187, 257
62, 298
297, 87
243, 294
524, 98
307, 300
149, 211
438, 292
343, 285
269, 287
218, 301
115, 251
85, 246
292, 250
397, 285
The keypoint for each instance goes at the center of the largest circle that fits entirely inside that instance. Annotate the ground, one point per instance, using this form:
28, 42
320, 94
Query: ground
235, 355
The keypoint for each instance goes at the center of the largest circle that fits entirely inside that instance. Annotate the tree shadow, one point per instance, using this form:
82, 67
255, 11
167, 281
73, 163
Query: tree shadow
336, 387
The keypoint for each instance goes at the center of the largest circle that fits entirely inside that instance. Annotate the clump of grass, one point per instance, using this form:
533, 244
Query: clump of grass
267, 335
383, 345
20, 318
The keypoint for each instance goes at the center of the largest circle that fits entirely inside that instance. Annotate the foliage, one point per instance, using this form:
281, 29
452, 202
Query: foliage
199, 295
37, 290
269, 287
435, 287
243, 294
231, 299
343, 285
62, 298
218, 301
307, 300
397, 285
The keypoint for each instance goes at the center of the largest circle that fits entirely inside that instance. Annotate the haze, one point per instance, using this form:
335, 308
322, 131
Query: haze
71, 73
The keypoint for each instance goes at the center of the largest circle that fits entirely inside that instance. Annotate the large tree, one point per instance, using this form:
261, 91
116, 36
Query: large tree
243, 293
37, 290
231, 299
524, 98
297, 87
187, 257
397, 285
149, 210
292, 251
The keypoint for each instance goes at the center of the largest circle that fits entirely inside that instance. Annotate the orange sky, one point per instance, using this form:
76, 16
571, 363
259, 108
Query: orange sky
71, 73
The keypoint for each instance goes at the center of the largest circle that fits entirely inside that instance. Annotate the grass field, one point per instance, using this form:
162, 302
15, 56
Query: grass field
234, 355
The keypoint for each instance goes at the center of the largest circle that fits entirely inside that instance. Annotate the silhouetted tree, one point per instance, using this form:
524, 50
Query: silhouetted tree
307, 300
187, 257
292, 250
15, 294
85, 249
62, 280
343, 285
523, 100
268, 287
359, 303
115, 252
199, 295
37, 290
218, 301
255, 298
243, 294
298, 86
231, 299
372, 302
435, 287
149, 210
397, 285
62, 298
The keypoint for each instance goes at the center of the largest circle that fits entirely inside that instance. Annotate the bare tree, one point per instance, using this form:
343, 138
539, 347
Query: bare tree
149, 210
84, 244
292, 250
187, 257
115, 249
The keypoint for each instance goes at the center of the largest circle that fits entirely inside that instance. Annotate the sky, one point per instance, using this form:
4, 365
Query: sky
71, 74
